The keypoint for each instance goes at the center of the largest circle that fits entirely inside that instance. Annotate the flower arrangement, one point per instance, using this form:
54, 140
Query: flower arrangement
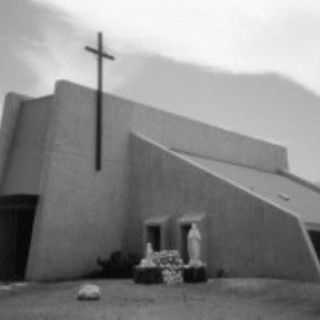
171, 265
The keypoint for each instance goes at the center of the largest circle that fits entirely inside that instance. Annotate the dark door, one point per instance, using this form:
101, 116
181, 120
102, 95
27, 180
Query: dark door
24, 226
16, 222
154, 237
7, 245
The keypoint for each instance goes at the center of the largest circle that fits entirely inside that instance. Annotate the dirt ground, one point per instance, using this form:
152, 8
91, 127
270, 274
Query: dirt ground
122, 299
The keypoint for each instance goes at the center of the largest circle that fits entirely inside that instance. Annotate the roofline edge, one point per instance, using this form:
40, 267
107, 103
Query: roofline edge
300, 180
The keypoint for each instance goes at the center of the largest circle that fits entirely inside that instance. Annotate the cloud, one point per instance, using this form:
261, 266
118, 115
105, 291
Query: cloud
251, 36
22, 40
43, 41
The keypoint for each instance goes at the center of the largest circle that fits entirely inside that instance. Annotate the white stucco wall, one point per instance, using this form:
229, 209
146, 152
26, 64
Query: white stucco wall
248, 236
82, 213
27, 150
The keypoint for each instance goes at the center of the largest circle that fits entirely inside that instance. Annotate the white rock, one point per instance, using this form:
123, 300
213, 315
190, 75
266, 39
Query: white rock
89, 292
6, 288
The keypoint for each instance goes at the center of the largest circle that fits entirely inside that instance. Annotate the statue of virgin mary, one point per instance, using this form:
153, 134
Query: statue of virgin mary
194, 246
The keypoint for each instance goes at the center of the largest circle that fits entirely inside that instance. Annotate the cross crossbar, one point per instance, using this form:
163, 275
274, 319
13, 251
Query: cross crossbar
95, 51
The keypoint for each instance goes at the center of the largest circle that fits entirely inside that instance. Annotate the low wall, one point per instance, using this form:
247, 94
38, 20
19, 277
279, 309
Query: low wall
248, 236
186, 135
11, 110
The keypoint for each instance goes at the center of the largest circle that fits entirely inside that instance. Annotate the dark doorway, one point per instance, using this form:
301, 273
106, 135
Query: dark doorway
315, 238
16, 222
184, 242
154, 237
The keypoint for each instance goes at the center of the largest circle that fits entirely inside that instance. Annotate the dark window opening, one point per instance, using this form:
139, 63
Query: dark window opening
154, 237
315, 238
184, 242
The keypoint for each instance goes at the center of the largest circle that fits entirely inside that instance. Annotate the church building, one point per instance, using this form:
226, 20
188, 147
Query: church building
160, 173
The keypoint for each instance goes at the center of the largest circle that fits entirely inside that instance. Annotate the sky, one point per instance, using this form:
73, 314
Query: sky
42, 41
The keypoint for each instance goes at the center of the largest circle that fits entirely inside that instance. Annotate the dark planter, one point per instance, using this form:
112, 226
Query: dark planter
193, 275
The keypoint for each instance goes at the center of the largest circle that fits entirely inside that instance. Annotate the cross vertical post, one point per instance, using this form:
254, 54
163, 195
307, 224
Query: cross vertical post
99, 114
99, 99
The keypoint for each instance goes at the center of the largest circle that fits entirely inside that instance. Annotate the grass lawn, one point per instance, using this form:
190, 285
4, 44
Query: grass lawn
122, 299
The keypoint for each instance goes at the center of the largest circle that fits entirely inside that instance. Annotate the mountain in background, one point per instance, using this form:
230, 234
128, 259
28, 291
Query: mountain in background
267, 106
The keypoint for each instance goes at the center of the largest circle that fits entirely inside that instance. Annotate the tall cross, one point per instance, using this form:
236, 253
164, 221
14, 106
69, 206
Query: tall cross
99, 116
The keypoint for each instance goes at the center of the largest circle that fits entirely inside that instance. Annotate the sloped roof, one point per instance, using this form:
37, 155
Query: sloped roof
279, 189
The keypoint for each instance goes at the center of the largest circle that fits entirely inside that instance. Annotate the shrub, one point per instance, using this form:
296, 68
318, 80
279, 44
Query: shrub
118, 265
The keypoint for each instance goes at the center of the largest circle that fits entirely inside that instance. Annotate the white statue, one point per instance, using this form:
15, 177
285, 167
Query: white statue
149, 251
147, 262
194, 248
